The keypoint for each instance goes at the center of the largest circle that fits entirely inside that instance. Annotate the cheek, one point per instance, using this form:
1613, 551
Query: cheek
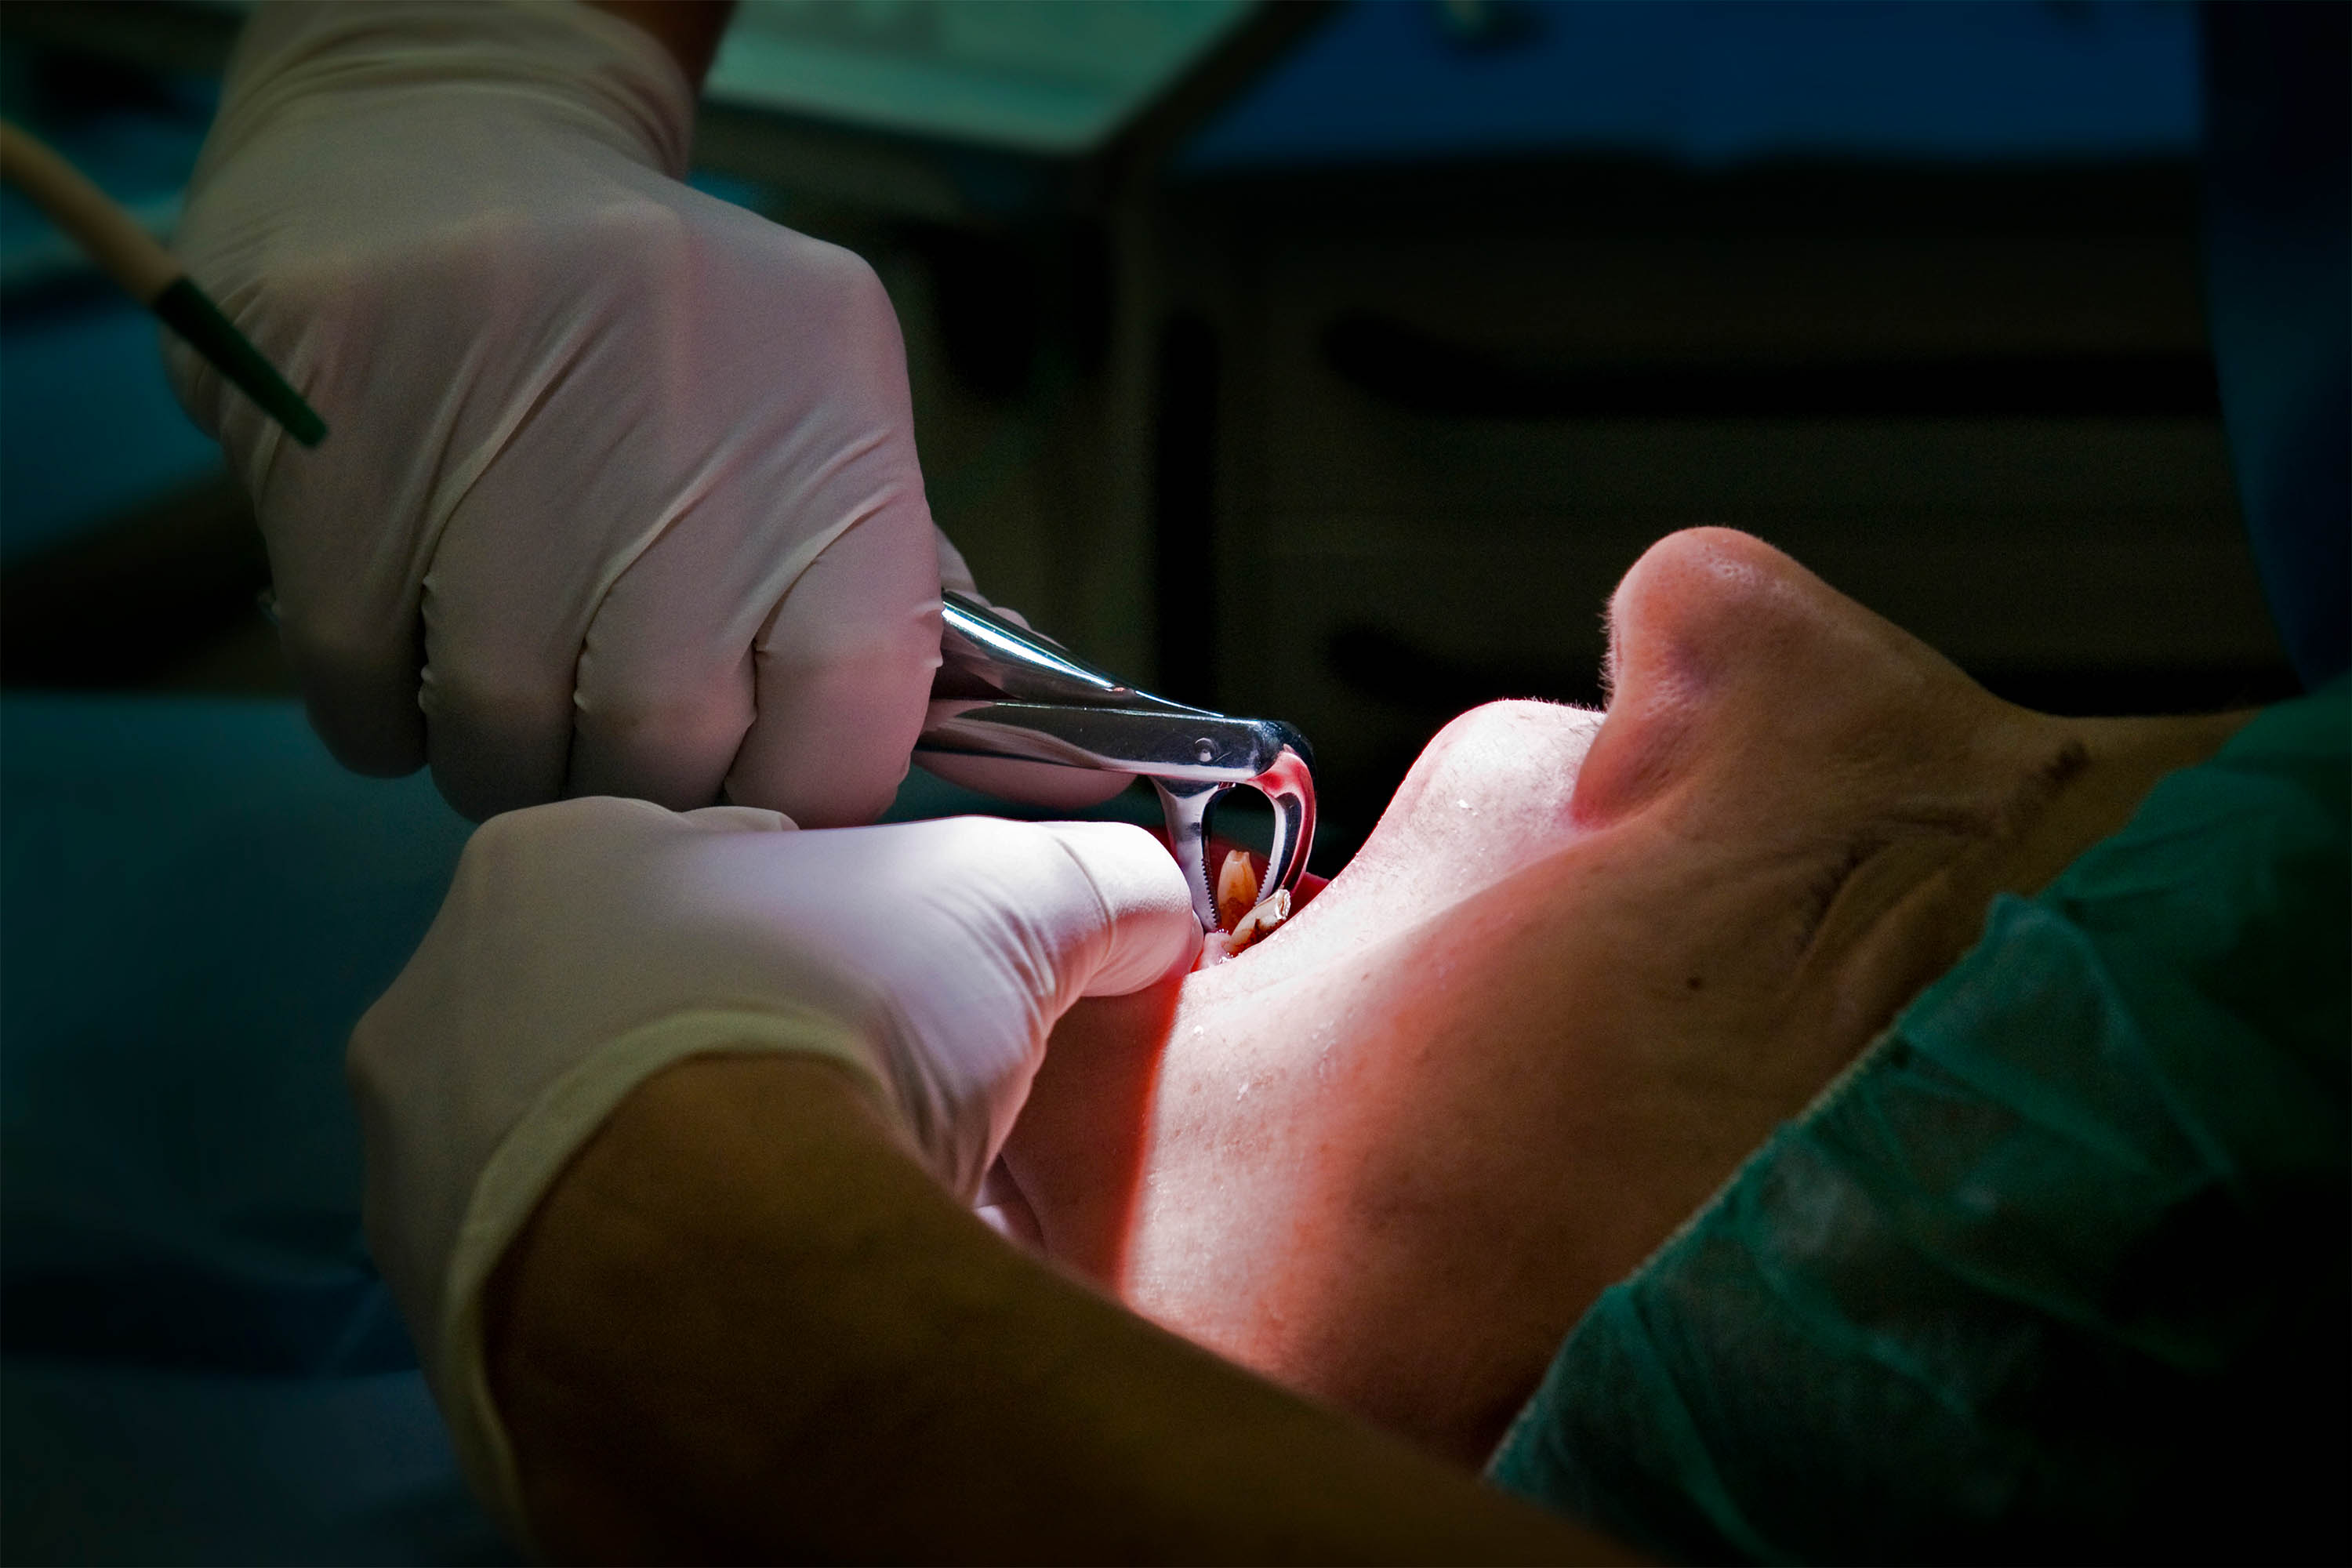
1559, 1080
1471, 1039
1573, 995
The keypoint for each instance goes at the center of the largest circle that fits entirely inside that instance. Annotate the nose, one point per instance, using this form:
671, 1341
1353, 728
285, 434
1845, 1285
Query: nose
1715, 637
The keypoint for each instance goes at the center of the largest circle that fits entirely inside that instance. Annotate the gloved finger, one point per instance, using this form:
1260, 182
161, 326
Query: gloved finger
497, 739
1150, 924
496, 693
349, 631
980, 933
953, 572
359, 692
344, 585
664, 683
841, 675
957, 575
738, 819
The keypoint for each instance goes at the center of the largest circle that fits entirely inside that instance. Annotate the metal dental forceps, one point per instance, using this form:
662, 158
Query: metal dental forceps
1004, 691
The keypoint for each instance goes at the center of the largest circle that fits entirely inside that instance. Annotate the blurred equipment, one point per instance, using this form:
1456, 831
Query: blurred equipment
2278, 252
1451, 309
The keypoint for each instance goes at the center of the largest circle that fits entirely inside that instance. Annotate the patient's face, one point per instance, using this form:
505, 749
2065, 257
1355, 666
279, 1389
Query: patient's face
1582, 967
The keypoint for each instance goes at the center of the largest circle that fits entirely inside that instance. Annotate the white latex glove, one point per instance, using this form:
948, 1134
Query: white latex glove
619, 494
587, 945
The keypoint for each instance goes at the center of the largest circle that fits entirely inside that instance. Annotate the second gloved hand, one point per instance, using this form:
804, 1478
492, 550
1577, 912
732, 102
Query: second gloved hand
585, 946
619, 494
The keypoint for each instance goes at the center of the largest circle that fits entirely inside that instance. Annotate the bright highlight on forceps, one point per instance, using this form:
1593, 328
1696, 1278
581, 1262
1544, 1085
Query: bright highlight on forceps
1007, 692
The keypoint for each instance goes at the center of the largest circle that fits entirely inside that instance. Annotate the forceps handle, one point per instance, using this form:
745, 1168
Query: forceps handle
984, 653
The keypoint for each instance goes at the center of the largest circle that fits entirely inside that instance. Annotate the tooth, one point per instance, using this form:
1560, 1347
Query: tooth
1260, 921
1236, 889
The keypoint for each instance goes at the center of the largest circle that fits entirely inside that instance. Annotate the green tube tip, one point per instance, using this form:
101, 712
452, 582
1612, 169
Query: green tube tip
186, 309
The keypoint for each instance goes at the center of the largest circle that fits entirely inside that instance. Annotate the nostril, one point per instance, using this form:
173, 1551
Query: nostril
1699, 612
1637, 754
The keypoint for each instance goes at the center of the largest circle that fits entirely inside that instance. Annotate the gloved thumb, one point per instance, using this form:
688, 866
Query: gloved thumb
1152, 927
979, 934
954, 573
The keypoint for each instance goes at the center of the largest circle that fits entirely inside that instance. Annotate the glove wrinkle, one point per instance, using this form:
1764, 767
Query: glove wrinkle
604, 423
632, 467
841, 677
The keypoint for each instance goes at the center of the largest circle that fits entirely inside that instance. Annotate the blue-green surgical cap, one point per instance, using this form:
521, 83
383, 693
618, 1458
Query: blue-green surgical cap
2059, 1270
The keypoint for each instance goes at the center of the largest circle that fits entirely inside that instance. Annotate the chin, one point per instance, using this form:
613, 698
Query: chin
1492, 775
1487, 796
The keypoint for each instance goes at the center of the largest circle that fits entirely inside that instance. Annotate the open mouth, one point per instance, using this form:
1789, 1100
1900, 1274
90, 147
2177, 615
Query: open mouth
1244, 919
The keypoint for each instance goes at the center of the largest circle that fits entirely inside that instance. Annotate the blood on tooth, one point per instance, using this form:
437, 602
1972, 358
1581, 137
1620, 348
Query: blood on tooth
1254, 926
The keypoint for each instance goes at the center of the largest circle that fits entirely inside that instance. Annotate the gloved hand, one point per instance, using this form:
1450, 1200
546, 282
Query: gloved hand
619, 494
587, 945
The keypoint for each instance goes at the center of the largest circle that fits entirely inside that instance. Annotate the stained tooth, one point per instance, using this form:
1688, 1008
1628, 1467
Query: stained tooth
1236, 889
1260, 921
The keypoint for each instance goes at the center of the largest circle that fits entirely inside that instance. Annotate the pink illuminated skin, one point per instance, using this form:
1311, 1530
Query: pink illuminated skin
1385, 1157
1583, 966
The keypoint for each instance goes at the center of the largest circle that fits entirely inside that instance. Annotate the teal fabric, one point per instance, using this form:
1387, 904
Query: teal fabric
2059, 1270
197, 1363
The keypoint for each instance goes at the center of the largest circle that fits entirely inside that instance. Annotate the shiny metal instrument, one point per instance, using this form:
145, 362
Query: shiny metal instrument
1006, 693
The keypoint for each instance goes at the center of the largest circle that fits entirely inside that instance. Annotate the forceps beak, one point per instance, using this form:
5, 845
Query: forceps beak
1005, 692
1288, 784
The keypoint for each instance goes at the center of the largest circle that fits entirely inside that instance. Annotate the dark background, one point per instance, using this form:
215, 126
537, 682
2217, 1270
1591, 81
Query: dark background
1343, 382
